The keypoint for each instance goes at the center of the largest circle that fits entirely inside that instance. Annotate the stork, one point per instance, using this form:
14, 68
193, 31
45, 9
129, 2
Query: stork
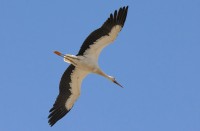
84, 63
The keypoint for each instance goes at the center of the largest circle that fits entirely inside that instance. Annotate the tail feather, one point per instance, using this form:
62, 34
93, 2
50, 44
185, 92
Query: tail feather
71, 59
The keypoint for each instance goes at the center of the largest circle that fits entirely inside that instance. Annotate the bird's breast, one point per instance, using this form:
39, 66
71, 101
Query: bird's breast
87, 64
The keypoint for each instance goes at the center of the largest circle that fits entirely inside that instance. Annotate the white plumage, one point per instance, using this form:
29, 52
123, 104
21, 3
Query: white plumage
96, 48
84, 63
76, 76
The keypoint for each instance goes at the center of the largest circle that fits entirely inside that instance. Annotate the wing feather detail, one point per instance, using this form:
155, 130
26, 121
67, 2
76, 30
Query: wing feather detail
70, 83
69, 91
107, 33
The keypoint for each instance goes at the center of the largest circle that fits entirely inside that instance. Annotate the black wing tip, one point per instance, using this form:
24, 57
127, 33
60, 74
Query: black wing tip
59, 109
118, 17
122, 13
56, 114
125, 7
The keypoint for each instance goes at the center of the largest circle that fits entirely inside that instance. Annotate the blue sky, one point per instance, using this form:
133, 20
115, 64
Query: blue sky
155, 57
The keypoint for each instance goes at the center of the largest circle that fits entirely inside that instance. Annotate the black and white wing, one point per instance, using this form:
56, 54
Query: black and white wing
103, 36
69, 88
69, 91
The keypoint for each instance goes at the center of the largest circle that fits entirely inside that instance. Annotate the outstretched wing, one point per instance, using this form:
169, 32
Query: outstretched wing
69, 91
103, 36
71, 80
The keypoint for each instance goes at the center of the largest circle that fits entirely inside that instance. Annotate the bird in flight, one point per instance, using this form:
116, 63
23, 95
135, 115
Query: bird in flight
85, 62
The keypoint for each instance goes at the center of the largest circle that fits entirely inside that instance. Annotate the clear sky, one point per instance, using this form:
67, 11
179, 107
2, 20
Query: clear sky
156, 57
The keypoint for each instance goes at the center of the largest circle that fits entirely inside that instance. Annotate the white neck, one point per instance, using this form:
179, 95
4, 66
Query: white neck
100, 72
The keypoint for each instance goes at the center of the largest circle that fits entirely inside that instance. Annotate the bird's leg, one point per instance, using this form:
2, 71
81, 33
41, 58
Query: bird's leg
68, 58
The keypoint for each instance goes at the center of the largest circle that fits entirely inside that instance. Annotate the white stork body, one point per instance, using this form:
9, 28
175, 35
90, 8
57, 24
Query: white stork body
85, 62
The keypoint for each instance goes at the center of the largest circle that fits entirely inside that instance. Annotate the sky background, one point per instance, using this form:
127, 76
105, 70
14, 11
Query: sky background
156, 57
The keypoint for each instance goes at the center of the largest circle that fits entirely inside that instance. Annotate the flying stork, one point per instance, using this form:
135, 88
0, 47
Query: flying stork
85, 62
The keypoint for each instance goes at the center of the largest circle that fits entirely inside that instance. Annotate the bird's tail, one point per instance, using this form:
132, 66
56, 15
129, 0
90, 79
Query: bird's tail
66, 59
70, 59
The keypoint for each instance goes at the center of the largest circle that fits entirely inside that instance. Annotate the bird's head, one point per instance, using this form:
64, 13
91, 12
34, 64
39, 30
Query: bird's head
115, 81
